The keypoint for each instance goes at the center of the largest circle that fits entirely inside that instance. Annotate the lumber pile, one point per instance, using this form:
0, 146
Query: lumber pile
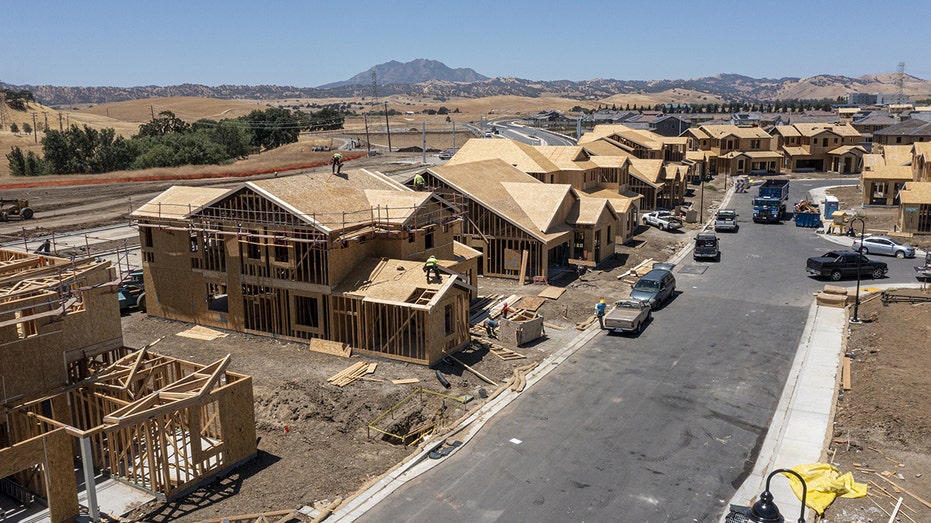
352, 373
639, 270
505, 354
834, 296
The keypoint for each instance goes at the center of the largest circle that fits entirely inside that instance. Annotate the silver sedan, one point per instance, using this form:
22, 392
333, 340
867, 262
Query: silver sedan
884, 245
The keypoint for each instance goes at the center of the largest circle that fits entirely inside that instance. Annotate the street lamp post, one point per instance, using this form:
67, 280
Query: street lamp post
765, 510
856, 303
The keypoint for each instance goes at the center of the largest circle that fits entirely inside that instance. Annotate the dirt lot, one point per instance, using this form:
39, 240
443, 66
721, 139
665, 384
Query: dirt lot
314, 438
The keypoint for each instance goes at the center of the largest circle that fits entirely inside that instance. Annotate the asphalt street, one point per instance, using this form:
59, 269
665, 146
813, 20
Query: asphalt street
659, 427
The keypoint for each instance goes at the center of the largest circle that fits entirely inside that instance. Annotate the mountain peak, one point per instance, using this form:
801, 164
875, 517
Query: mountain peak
414, 72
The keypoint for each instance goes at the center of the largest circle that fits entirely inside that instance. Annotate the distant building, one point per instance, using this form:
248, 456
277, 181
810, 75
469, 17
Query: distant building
861, 98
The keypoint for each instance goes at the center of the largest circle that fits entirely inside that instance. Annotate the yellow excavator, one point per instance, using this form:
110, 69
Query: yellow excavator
15, 207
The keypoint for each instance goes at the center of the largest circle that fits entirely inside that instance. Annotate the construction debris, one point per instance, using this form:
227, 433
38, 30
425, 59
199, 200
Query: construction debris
199, 332
518, 381
352, 373
805, 206
505, 354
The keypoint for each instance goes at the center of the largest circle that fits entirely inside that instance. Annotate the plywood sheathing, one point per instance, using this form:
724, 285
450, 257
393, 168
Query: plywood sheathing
199, 332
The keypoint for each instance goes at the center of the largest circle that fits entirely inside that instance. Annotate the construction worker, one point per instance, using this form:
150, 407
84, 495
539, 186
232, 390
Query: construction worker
419, 182
491, 327
337, 163
600, 312
432, 265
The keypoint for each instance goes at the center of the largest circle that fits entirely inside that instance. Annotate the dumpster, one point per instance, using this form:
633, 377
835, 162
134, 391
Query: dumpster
831, 204
807, 219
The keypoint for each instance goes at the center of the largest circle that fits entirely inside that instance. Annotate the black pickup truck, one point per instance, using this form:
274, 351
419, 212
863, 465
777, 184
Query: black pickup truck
843, 264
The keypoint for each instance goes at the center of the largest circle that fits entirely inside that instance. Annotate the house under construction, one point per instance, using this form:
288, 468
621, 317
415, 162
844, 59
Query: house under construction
72, 392
335, 260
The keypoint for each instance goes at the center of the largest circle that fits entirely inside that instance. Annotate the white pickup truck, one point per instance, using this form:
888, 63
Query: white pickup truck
665, 220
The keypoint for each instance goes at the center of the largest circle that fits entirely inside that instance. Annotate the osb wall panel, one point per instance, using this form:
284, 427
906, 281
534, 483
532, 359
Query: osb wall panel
99, 322
237, 419
341, 261
53, 452
438, 340
173, 290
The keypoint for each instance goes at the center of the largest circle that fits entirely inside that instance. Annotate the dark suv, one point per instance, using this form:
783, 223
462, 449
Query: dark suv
655, 287
706, 246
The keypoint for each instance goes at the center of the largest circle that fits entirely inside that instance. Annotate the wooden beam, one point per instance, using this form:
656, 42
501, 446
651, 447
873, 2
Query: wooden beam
523, 267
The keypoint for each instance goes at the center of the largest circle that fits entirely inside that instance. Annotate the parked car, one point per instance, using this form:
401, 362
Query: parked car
628, 316
655, 287
706, 246
840, 264
726, 220
884, 245
665, 220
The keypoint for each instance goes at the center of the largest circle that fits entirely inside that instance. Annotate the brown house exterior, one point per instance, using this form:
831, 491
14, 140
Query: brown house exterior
734, 150
510, 212
907, 132
820, 147
306, 258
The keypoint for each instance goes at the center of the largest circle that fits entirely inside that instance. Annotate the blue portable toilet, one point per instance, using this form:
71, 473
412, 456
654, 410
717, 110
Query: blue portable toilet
831, 204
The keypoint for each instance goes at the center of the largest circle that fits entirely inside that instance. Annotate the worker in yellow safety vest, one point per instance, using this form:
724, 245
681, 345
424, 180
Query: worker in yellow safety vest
337, 163
432, 265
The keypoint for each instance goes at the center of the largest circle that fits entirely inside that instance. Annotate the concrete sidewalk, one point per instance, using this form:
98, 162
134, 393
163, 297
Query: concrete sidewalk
801, 425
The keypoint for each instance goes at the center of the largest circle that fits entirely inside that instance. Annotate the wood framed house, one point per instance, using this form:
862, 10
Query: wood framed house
510, 213
72, 390
915, 208
299, 258
523, 156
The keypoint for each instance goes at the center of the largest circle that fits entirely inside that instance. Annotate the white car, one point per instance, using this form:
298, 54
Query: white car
884, 245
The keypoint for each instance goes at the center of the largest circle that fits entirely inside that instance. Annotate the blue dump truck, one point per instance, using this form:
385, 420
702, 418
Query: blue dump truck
770, 205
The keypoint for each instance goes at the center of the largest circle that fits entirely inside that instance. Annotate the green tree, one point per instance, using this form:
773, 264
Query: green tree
14, 128
27, 128
272, 127
166, 123
29, 164
442, 110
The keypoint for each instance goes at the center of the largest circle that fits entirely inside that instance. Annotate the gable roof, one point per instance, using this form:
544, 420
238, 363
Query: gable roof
566, 157
722, 131
889, 172
180, 202
620, 202
589, 210
916, 193
650, 171
518, 154
897, 154
510, 193
333, 202
910, 127
605, 147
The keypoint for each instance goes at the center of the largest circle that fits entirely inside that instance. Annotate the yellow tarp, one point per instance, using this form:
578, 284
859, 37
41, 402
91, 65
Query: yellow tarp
824, 483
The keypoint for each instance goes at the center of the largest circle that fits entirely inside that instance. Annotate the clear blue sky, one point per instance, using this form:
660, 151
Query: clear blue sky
311, 42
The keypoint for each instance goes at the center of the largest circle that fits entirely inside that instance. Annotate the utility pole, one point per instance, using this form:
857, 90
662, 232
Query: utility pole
45, 114
151, 110
368, 142
35, 132
60, 125
388, 127
424, 147
454, 134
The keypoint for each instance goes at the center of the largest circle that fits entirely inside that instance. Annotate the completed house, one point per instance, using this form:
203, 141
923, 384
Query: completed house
733, 150
906, 132
820, 147
328, 259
